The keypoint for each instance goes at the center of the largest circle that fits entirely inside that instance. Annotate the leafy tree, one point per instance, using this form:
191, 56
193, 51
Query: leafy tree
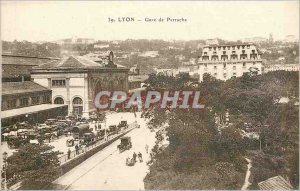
37, 165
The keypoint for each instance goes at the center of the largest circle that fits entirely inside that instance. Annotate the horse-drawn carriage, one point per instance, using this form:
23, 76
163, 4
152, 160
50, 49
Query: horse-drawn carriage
125, 144
88, 138
112, 129
123, 124
79, 130
101, 133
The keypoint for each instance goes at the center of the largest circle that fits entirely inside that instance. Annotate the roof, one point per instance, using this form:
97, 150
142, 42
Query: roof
28, 110
15, 71
275, 183
14, 66
24, 60
9, 88
71, 63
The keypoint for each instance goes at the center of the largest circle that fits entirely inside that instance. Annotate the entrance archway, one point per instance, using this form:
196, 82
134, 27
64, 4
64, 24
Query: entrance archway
77, 105
59, 100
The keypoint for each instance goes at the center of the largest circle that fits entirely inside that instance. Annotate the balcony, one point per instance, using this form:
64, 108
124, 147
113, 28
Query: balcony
253, 56
215, 58
204, 58
243, 56
224, 57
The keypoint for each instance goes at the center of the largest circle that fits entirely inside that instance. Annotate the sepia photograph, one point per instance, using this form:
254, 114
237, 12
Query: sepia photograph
149, 95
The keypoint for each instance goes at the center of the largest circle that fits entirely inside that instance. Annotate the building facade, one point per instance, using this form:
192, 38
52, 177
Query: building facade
226, 61
27, 101
76, 80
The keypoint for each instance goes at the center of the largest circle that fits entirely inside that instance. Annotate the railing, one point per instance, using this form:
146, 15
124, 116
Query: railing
66, 158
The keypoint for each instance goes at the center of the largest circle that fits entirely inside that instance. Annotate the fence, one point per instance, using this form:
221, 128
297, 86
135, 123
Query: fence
81, 151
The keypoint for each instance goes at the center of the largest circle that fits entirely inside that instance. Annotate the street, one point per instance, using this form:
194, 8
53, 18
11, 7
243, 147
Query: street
112, 118
106, 170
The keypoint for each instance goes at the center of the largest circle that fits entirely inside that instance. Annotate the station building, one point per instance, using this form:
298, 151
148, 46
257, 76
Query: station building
76, 80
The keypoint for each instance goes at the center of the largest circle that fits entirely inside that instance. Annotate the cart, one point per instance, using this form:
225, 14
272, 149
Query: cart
125, 144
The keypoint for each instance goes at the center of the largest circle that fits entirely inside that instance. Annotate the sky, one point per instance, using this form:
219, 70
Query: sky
229, 20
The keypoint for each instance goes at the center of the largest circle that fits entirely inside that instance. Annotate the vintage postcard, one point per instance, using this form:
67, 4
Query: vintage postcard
150, 95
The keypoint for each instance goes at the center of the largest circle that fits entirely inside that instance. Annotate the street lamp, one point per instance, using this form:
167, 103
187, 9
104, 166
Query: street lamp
4, 168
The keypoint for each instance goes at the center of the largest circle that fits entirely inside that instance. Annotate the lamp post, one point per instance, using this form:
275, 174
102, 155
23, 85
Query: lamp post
4, 168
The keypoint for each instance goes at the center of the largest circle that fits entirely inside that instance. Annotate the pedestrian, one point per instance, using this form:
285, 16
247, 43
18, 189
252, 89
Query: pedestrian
140, 157
69, 153
146, 147
77, 149
134, 156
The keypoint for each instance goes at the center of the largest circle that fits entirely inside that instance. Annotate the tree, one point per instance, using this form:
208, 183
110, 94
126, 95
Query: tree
37, 165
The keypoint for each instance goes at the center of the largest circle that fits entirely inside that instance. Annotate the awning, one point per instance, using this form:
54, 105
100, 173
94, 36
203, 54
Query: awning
28, 110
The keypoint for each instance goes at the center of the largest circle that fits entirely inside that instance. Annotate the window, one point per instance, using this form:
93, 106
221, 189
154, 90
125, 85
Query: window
58, 100
11, 104
234, 74
205, 53
205, 64
224, 52
215, 67
219, 48
233, 52
224, 48
45, 98
248, 46
234, 67
24, 102
233, 48
228, 47
77, 101
209, 48
215, 48
225, 75
59, 83
215, 74
244, 64
35, 100
254, 63
243, 51
224, 65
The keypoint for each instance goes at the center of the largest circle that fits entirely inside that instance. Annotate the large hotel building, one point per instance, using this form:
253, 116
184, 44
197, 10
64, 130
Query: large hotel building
226, 61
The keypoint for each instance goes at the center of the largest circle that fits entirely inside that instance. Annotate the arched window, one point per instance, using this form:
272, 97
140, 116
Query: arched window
58, 100
77, 101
